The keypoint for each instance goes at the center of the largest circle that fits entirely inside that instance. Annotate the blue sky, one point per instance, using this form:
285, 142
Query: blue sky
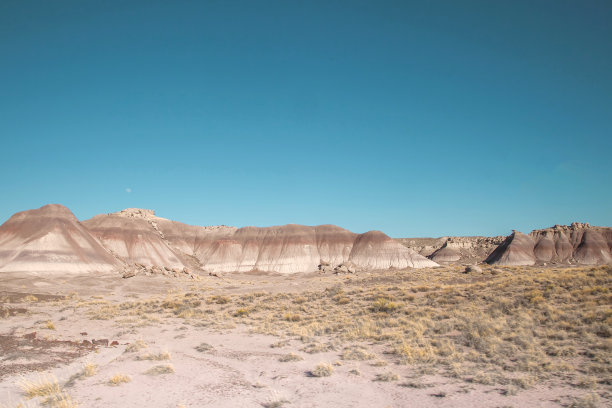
417, 118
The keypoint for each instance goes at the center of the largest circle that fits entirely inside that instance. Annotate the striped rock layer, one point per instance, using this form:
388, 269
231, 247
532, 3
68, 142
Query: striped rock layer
52, 239
577, 243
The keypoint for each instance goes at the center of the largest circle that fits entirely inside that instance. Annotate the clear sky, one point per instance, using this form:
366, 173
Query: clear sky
417, 118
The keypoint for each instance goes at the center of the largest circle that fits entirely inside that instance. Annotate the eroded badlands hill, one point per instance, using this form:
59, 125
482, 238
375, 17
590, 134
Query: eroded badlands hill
138, 236
578, 243
51, 238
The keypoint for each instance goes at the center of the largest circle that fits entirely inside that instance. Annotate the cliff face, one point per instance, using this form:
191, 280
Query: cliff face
51, 239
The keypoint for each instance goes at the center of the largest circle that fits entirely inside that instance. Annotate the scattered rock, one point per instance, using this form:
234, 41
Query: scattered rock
30, 336
326, 267
346, 267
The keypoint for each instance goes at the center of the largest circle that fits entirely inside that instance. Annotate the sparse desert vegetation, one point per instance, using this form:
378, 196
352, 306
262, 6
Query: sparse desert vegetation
514, 328
517, 326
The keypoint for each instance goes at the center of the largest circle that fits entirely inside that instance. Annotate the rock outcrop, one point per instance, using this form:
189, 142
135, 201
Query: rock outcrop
448, 253
51, 239
461, 250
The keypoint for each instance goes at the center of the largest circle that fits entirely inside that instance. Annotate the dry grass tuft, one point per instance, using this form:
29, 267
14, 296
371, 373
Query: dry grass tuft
160, 370
388, 376
322, 370
48, 390
383, 305
119, 379
379, 363
61, 400
89, 369
136, 346
290, 357
587, 401
357, 353
44, 386
164, 355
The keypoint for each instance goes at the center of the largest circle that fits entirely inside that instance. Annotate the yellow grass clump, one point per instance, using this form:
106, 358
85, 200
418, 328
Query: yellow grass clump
47, 388
322, 370
119, 379
43, 386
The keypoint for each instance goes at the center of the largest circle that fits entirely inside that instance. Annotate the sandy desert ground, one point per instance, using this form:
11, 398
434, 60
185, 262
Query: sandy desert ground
439, 337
